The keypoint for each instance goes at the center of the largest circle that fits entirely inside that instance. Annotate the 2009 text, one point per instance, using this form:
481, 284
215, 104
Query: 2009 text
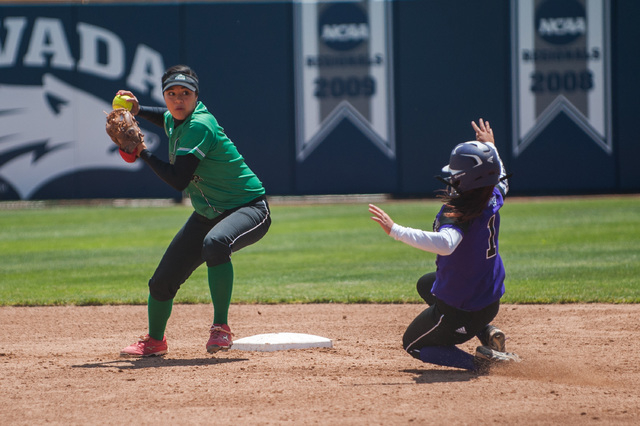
337, 87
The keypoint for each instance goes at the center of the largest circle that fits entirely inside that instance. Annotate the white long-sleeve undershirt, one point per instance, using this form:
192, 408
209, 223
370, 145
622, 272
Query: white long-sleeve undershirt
443, 242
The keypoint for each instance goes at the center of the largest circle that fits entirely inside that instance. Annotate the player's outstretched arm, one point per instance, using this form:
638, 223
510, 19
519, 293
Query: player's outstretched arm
484, 133
381, 217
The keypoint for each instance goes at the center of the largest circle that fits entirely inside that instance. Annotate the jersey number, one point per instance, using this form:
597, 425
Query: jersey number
491, 251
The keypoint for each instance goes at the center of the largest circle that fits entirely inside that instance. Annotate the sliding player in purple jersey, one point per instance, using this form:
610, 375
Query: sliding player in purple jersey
465, 290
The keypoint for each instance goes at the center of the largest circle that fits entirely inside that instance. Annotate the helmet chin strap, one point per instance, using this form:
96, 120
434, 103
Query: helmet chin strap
455, 187
452, 189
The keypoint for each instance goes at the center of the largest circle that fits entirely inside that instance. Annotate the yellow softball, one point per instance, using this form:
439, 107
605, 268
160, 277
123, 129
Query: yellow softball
120, 101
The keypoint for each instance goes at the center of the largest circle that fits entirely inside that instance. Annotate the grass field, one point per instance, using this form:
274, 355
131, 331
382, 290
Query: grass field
555, 251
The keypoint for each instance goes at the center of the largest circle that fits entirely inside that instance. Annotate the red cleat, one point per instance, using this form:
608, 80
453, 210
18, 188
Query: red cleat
146, 346
221, 338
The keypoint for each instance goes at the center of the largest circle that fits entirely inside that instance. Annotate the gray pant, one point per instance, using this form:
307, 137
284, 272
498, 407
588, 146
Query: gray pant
208, 240
441, 324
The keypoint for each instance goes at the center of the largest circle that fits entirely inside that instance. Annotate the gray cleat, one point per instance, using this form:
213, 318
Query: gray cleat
486, 358
493, 337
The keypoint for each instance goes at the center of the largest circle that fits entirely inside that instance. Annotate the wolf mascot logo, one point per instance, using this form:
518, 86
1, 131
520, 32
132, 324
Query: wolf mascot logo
50, 131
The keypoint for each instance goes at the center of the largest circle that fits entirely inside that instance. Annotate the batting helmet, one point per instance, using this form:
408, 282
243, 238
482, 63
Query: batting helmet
472, 165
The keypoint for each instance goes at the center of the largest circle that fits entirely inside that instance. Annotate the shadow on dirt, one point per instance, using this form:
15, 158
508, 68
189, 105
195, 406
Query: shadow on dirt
157, 362
441, 376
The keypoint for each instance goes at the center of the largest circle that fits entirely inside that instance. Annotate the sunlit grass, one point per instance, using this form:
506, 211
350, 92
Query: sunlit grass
555, 251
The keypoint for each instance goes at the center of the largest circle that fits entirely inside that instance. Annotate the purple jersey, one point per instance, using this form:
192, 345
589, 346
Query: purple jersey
472, 277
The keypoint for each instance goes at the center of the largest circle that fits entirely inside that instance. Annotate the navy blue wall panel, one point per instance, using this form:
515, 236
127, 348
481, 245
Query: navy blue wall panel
451, 68
243, 56
626, 88
563, 160
346, 163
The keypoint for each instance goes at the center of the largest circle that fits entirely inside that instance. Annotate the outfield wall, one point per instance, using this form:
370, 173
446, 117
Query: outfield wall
331, 97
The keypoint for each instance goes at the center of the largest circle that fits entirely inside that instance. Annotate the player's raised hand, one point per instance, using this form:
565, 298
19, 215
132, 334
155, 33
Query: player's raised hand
381, 217
483, 130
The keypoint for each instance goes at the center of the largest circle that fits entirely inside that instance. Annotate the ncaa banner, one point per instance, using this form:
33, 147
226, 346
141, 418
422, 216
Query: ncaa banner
560, 53
343, 71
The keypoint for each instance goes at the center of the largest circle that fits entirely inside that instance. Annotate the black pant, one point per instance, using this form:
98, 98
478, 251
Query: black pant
444, 325
208, 240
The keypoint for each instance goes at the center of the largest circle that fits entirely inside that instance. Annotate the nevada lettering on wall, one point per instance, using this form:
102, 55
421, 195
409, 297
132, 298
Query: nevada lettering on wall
48, 47
69, 136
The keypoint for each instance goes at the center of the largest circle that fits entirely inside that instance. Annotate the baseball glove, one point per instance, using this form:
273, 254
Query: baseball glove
123, 129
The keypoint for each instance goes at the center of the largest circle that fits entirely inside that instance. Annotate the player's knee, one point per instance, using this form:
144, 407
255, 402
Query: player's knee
215, 252
160, 290
415, 353
424, 285
412, 350
406, 342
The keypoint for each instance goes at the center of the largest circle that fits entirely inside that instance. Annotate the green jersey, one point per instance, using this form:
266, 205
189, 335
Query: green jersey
222, 179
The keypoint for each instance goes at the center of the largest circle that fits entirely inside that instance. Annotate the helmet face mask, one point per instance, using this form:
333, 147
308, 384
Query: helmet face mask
471, 165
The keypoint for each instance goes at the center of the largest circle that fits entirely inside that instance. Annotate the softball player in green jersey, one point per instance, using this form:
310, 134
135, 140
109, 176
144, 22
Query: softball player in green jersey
231, 210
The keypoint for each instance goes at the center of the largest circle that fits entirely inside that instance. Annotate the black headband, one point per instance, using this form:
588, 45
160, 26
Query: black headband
180, 80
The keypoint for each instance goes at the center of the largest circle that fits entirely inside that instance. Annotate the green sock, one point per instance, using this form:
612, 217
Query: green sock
159, 313
221, 286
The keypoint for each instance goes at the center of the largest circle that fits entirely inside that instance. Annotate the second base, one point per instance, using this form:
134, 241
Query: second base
280, 342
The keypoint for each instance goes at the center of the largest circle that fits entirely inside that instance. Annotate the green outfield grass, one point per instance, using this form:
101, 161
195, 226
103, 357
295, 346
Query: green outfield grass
555, 251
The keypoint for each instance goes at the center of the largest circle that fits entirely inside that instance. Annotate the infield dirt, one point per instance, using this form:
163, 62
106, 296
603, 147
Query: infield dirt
60, 365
